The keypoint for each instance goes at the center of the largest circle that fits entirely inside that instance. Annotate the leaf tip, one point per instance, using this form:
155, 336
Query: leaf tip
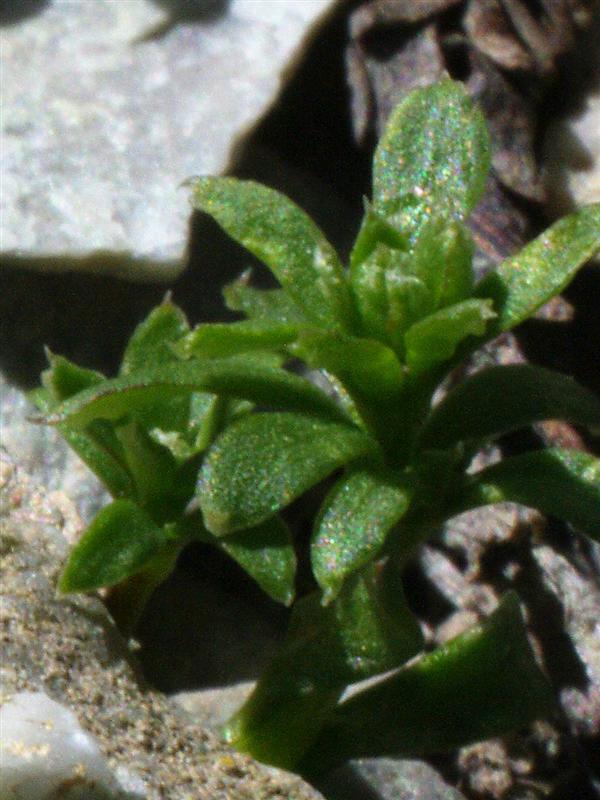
218, 522
64, 584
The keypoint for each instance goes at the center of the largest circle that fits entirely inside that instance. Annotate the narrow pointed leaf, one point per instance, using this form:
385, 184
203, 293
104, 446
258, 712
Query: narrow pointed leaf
409, 300
100, 449
388, 298
97, 445
268, 305
281, 235
207, 417
504, 398
367, 630
152, 339
151, 345
435, 338
263, 462
524, 282
266, 553
63, 379
353, 524
242, 378
435, 152
442, 259
119, 542
482, 684
219, 340
162, 489
367, 280
561, 482
375, 231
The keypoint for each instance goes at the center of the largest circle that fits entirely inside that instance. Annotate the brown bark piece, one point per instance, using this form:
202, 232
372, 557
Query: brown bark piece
513, 35
418, 63
490, 31
512, 124
386, 12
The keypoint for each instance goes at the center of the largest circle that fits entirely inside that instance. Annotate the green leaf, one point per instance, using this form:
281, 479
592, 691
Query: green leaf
150, 346
63, 379
387, 297
267, 305
367, 281
160, 486
409, 300
353, 524
435, 338
219, 340
367, 630
365, 367
208, 414
442, 259
119, 542
97, 446
278, 723
433, 157
561, 482
230, 377
151, 341
527, 280
281, 235
504, 398
375, 232
100, 449
266, 553
482, 684
127, 599
262, 462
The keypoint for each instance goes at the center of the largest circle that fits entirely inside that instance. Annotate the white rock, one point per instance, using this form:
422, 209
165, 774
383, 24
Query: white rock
100, 127
46, 456
572, 155
45, 754
571, 147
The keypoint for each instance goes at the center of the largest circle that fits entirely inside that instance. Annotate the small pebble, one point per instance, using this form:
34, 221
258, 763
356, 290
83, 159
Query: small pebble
45, 754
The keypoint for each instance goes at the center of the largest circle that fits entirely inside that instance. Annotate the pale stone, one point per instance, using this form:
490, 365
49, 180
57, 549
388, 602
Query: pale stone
389, 779
45, 455
213, 707
571, 146
102, 122
45, 753
573, 159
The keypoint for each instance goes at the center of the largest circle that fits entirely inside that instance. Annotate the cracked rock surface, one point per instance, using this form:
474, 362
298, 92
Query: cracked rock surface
109, 106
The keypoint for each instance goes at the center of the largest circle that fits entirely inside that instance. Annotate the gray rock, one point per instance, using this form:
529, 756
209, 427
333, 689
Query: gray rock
213, 707
45, 456
566, 580
45, 753
479, 557
388, 779
107, 109
69, 649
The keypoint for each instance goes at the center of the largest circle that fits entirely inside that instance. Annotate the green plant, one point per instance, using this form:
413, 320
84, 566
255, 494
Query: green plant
208, 435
